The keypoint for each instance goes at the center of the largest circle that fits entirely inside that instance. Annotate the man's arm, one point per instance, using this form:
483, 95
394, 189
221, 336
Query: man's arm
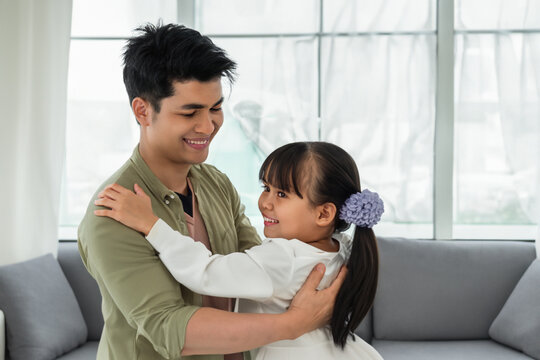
127, 268
212, 331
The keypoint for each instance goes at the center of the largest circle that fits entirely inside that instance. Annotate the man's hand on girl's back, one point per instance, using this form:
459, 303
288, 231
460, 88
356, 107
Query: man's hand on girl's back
312, 308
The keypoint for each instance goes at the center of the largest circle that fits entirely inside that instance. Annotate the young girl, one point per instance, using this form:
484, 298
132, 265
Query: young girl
311, 194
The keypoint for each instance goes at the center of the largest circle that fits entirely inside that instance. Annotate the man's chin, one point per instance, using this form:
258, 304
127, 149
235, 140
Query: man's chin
198, 159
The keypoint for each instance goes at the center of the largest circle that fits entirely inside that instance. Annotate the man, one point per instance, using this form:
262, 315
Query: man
173, 78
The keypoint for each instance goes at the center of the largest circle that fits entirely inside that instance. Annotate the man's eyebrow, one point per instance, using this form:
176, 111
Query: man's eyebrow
194, 106
218, 102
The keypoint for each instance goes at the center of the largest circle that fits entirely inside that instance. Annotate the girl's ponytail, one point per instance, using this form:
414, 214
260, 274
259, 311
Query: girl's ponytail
357, 292
356, 295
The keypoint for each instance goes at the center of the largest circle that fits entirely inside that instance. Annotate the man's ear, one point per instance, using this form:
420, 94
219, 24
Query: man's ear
142, 111
326, 214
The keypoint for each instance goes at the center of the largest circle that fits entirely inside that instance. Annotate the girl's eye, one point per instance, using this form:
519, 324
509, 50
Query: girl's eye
281, 194
265, 188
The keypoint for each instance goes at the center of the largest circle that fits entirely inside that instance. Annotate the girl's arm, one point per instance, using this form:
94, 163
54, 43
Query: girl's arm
191, 263
241, 275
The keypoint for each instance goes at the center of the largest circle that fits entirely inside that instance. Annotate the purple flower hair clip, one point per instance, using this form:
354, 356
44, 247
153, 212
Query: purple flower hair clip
364, 209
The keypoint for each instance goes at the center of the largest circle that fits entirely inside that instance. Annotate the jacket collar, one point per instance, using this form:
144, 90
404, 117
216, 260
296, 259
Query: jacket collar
151, 180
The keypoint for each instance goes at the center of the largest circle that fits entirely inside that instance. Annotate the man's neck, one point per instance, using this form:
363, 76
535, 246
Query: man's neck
173, 176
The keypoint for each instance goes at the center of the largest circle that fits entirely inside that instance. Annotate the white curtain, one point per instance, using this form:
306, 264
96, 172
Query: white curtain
34, 52
377, 93
497, 113
519, 92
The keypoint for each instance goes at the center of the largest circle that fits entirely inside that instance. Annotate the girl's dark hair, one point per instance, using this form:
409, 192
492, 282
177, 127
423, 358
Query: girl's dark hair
161, 54
328, 174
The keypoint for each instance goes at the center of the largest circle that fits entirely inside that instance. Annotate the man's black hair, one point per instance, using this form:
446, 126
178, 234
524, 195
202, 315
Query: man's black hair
162, 54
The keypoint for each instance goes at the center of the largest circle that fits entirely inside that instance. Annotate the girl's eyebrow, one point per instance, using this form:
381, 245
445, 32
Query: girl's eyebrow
277, 188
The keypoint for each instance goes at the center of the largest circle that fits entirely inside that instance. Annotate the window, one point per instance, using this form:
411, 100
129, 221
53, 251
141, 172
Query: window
358, 73
497, 118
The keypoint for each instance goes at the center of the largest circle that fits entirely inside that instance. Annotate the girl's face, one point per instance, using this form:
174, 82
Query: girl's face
286, 215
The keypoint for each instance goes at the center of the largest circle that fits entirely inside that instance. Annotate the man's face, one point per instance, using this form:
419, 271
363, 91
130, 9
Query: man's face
187, 122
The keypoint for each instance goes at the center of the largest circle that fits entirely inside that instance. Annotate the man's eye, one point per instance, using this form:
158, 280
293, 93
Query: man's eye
188, 115
216, 109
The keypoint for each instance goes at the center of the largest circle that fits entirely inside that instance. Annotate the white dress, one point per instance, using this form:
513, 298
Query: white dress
265, 279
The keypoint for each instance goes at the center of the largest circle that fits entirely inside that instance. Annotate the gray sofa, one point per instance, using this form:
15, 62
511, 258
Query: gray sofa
436, 299
83, 290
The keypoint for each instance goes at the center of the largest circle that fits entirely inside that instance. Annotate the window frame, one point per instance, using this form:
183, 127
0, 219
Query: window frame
443, 143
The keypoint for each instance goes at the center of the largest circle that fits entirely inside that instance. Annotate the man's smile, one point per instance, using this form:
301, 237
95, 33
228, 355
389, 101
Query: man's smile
197, 144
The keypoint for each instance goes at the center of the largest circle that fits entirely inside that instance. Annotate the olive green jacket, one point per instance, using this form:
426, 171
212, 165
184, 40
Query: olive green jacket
145, 310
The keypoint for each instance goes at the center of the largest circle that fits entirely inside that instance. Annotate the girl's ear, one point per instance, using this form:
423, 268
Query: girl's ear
326, 214
142, 111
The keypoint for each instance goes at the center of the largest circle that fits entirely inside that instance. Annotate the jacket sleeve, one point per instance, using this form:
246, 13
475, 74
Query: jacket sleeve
255, 274
129, 270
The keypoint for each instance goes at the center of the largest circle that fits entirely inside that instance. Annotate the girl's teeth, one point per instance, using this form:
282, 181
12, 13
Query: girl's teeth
270, 220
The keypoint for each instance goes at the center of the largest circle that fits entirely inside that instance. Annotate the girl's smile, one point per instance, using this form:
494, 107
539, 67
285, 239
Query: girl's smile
269, 221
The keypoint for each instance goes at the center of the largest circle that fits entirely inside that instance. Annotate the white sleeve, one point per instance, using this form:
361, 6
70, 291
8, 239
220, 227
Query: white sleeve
255, 274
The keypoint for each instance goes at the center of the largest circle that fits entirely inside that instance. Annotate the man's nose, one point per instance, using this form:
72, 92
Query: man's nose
206, 124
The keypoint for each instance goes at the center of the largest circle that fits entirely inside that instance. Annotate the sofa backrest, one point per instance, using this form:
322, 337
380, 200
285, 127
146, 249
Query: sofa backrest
84, 286
365, 329
444, 290
428, 290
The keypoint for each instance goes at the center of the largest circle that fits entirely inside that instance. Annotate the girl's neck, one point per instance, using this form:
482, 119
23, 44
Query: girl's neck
327, 244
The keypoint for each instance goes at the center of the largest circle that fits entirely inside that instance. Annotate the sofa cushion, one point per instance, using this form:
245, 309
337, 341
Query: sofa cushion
43, 319
444, 290
86, 352
446, 350
84, 286
518, 323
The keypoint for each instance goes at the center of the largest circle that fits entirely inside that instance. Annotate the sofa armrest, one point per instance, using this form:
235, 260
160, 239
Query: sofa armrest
2, 336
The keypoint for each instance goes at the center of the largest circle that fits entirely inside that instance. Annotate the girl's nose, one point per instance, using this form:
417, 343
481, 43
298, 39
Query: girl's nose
265, 201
